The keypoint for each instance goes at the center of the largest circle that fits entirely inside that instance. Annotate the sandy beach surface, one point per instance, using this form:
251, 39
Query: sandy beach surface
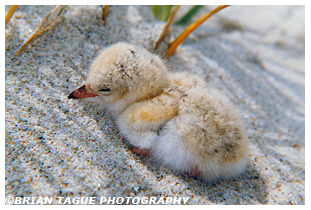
56, 147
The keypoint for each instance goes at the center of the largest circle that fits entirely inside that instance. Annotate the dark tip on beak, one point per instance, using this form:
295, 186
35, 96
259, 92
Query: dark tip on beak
81, 93
71, 96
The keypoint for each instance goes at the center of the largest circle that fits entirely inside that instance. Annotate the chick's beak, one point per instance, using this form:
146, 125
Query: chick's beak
81, 93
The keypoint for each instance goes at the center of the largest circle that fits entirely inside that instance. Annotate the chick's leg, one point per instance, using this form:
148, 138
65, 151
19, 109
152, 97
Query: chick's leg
145, 152
194, 171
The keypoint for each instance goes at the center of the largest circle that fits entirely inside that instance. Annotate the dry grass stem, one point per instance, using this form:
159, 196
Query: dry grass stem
167, 25
43, 26
10, 13
105, 10
191, 28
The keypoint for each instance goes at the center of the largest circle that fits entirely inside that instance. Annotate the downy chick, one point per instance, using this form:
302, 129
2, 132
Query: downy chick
174, 117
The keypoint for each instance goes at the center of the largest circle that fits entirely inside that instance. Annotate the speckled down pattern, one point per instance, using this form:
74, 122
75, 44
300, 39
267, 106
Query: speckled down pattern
57, 147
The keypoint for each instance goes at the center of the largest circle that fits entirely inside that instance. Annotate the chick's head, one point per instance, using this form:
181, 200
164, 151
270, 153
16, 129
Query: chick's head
126, 69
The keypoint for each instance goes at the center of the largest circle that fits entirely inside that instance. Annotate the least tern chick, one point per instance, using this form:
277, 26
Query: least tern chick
174, 117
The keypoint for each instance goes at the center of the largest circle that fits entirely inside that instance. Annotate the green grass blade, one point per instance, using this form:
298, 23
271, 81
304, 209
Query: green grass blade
162, 12
187, 17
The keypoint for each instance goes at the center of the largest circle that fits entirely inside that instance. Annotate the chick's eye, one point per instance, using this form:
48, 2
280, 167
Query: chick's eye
105, 89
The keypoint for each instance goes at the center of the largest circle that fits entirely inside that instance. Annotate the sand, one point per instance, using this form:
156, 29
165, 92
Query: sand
55, 147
